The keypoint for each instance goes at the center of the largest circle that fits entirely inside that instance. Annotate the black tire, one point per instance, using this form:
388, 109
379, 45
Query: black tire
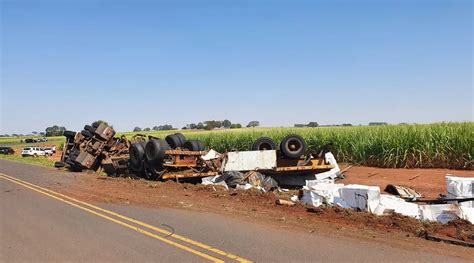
86, 133
181, 138
293, 146
59, 164
149, 172
137, 153
194, 145
89, 128
155, 151
69, 134
95, 124
263, 143
174, 141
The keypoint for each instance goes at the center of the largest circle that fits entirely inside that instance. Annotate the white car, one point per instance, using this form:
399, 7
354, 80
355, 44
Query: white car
49, 150
33, 151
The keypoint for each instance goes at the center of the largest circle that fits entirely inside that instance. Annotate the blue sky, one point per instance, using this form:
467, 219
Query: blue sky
280, 62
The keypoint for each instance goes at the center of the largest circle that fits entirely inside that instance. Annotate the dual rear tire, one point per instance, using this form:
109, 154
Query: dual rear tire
291, 147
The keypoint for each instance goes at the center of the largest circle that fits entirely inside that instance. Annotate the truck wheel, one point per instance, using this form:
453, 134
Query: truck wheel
69, 134
86, 133
194, 145
181, 138
263, 143
173, 141
137, 153
155, 151
59, 164
89, 128
293, 146
150, 172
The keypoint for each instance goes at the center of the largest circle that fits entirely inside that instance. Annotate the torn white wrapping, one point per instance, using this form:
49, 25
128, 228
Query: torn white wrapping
334, 172
210, 155
460, 187
211, 180
442, 213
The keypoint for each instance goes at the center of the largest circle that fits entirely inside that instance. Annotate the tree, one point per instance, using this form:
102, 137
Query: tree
55, 131
192, 126
137, 129
253, 124
156, 128
200, 126
226, 124
236, 126
313, 124
147, 129
34, 132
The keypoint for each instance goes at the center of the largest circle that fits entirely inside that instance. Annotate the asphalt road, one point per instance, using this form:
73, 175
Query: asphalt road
40, 225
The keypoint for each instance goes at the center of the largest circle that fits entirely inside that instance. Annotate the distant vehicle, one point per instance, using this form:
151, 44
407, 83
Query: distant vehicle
30, 140
44, 139
6, 150
32, 151
49, 150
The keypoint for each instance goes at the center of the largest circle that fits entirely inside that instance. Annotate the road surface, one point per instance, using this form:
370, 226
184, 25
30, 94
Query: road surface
38, 224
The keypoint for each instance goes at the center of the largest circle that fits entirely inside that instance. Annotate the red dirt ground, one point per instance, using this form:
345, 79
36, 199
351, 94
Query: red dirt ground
429, 182
259, 207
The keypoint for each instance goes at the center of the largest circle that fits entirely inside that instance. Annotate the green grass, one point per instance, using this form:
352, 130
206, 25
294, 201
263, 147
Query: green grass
41, 161
440, 145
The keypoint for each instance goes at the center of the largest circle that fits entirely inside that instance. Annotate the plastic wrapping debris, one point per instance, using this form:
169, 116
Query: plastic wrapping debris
210, 155
254, 178
269, 184
389, 204
334, 172
233, 178
361, 197
214, 180
460, 187
244, 186
442, 213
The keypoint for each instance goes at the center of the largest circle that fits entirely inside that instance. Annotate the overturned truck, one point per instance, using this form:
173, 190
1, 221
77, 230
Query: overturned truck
176, 158
95, 148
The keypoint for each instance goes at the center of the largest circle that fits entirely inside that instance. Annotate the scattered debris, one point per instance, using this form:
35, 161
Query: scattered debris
403, 191
368, 198
285, 202
416, 176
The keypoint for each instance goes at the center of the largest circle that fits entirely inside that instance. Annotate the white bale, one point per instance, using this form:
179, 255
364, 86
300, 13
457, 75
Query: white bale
460, 187
361, 197
442, 213
390, 203
250, 160
467, 213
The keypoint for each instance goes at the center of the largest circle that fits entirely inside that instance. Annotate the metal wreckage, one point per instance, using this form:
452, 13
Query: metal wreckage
265, 166
176, 158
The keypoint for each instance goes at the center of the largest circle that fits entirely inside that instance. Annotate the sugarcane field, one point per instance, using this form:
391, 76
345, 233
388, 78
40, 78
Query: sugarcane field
215, 131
